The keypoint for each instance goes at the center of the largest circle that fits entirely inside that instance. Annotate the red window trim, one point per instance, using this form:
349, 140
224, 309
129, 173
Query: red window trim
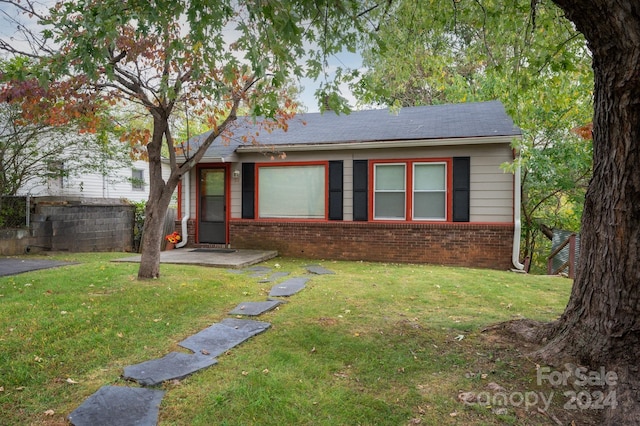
325, 163
408, 211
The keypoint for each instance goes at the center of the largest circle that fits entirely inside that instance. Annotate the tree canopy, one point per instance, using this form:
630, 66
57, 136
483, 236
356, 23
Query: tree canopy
533, 60
207, 57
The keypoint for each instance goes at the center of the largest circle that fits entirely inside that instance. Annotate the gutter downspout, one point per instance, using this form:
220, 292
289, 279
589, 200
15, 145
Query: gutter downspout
515, 255
187, 208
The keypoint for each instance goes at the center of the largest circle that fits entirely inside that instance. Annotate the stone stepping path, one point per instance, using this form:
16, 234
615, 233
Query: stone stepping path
174, 366
122, 405
274, 277
255, 308
223, 336
119, 405
319, 270
289, 287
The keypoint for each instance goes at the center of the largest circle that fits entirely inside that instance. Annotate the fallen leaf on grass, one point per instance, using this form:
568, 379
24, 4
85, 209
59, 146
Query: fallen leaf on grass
37, 359
459, 337
49, 413
71, 381
495, 387
467, 397
265, 371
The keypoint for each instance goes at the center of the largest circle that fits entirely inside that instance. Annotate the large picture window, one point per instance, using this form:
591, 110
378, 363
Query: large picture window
410, 190
292, 191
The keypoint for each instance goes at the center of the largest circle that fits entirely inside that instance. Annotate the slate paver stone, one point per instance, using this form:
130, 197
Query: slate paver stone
174, 366
274, 277
222, 336
319, 270
254, 308
289, 287
119, 405
259, 269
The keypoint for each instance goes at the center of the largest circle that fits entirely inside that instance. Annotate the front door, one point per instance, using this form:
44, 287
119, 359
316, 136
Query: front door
212, 226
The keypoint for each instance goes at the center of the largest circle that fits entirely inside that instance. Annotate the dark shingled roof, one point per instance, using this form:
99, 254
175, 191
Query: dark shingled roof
451, 121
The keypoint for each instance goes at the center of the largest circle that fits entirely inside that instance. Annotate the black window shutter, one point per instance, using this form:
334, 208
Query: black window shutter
461, 188
335, 190
248, 190
360, 190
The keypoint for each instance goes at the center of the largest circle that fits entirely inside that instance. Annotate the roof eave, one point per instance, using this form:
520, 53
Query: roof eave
409, 143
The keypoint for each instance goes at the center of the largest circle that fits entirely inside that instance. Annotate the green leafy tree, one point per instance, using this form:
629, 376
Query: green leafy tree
212, 56
599, 327
535, 63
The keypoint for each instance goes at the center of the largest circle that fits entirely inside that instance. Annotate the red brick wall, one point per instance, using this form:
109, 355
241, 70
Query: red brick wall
455, 244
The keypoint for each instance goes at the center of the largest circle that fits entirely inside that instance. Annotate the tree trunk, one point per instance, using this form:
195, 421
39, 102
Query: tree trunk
601, 323
160, 193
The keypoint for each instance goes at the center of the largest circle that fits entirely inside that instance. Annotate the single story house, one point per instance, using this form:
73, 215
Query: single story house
420, 185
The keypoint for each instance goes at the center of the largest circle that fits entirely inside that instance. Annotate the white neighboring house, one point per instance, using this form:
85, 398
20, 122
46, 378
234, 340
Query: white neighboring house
130, 182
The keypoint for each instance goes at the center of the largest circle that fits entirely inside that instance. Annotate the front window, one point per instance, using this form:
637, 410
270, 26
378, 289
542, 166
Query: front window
389, 191
410, 190
429, 191
296, 191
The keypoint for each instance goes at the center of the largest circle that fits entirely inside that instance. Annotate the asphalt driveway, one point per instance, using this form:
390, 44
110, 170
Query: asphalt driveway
13, 266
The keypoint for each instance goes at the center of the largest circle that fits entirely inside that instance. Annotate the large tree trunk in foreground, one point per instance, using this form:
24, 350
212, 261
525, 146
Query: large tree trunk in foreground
601, 323
160, 193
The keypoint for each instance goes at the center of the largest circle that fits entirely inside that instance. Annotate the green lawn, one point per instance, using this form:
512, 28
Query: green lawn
373, 344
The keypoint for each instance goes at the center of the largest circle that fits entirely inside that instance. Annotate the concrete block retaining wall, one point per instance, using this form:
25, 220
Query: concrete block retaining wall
73, 226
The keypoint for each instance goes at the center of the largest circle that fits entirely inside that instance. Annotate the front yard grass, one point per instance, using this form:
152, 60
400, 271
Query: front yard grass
373, 344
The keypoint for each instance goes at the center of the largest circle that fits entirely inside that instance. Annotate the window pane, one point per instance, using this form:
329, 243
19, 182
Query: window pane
429, 177
390, 177
291, 192
212, 181
429, 205
137, 179
389, 205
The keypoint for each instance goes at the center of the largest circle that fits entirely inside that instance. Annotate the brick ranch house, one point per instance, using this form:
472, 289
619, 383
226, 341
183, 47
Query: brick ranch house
423, 185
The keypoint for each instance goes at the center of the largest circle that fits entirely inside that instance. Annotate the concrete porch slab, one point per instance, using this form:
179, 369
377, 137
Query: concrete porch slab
235, 259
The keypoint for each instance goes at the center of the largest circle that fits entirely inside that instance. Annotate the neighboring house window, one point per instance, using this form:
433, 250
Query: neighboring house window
297, 191
56, 174
410, 190
137, 179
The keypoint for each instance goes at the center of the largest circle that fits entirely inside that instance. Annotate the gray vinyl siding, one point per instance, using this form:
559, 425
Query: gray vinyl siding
491, 197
